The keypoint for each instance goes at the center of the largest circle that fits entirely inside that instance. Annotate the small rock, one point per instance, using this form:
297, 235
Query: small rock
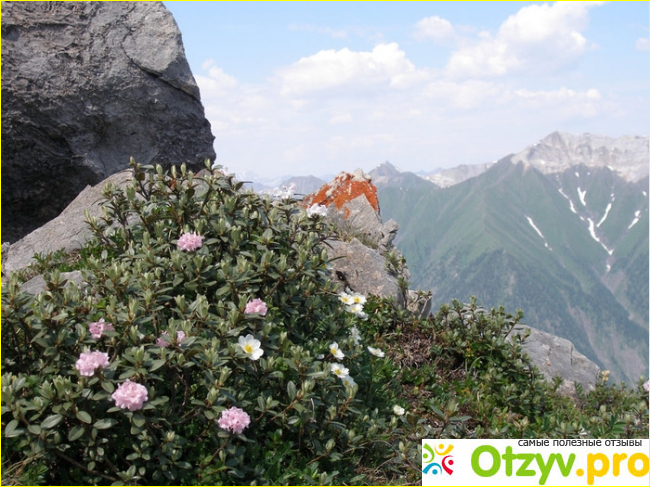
362, 270
555, 356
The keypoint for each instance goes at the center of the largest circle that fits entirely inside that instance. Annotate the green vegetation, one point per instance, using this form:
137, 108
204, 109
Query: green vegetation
183, 269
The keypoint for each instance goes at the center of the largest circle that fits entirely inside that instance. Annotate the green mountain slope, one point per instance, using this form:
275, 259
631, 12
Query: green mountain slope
509, 237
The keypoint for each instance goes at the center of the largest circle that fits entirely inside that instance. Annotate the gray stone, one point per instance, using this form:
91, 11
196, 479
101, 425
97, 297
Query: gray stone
86, 86
419, 303
37, 285
555, 356
362, 270
67, 232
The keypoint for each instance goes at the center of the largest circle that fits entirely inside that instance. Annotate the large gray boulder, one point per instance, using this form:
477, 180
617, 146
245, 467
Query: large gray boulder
86, 86
558, 357
67, 232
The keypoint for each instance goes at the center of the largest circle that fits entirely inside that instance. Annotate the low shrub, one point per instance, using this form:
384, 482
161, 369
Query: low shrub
208, 346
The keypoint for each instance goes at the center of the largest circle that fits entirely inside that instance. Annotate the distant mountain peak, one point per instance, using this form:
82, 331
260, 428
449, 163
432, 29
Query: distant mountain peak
386, 169
558, 151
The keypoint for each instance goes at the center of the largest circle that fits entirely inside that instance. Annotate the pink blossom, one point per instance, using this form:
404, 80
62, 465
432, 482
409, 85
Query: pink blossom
130, 395
97, 328
645, 386
89, 361
256, 306
161, 342
234, 419
190, 242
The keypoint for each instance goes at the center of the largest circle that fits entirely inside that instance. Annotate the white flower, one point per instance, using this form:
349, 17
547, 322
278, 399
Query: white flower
348, 381
376, 352
346, 298
339, 370
285, 192
356, 336
398, 410
316, 210
251, 346
355, 308
359, 299
334, 350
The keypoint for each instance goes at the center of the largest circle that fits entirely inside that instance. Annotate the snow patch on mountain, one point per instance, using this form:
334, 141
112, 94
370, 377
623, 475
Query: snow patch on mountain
609, 207
571, 207
582, 195
637, 214
539, 232
592, 232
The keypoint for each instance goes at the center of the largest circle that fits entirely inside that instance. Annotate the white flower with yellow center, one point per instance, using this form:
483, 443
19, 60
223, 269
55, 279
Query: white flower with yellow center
376, 352
398, 410
359, 299
251, 347
348, 381
355, 308
346, 298
339, 371
334, 350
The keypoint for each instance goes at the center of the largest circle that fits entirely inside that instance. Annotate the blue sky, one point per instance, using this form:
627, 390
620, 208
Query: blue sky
297, 88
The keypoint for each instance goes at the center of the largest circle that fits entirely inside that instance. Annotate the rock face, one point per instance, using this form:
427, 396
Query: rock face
555, 356
86, 86
627, 156
67, 232
362, 270
359, 255
352, 203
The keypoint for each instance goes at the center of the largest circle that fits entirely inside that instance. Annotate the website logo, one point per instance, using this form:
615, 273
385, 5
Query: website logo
443, 462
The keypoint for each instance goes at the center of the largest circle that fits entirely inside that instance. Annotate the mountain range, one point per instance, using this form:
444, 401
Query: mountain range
559, 230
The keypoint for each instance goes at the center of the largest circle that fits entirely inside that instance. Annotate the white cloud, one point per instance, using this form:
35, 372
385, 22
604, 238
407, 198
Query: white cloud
641, 44
564, 101
467, 95
386, 64
436, 28
538, 39
341, 118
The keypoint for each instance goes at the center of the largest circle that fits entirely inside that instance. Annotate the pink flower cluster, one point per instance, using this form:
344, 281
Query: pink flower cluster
234, 419
256, 306
189, 242
97, 328
161, 342
89, 361
130, 395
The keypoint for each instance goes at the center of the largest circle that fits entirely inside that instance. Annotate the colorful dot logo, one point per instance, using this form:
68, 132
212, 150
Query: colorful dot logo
445, 462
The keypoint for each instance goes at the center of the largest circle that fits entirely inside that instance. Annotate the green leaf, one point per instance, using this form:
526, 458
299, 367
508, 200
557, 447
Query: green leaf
12, 429
51, 421
84, 417
76, 432
291, 390
105, 423
156, 364
138, 420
